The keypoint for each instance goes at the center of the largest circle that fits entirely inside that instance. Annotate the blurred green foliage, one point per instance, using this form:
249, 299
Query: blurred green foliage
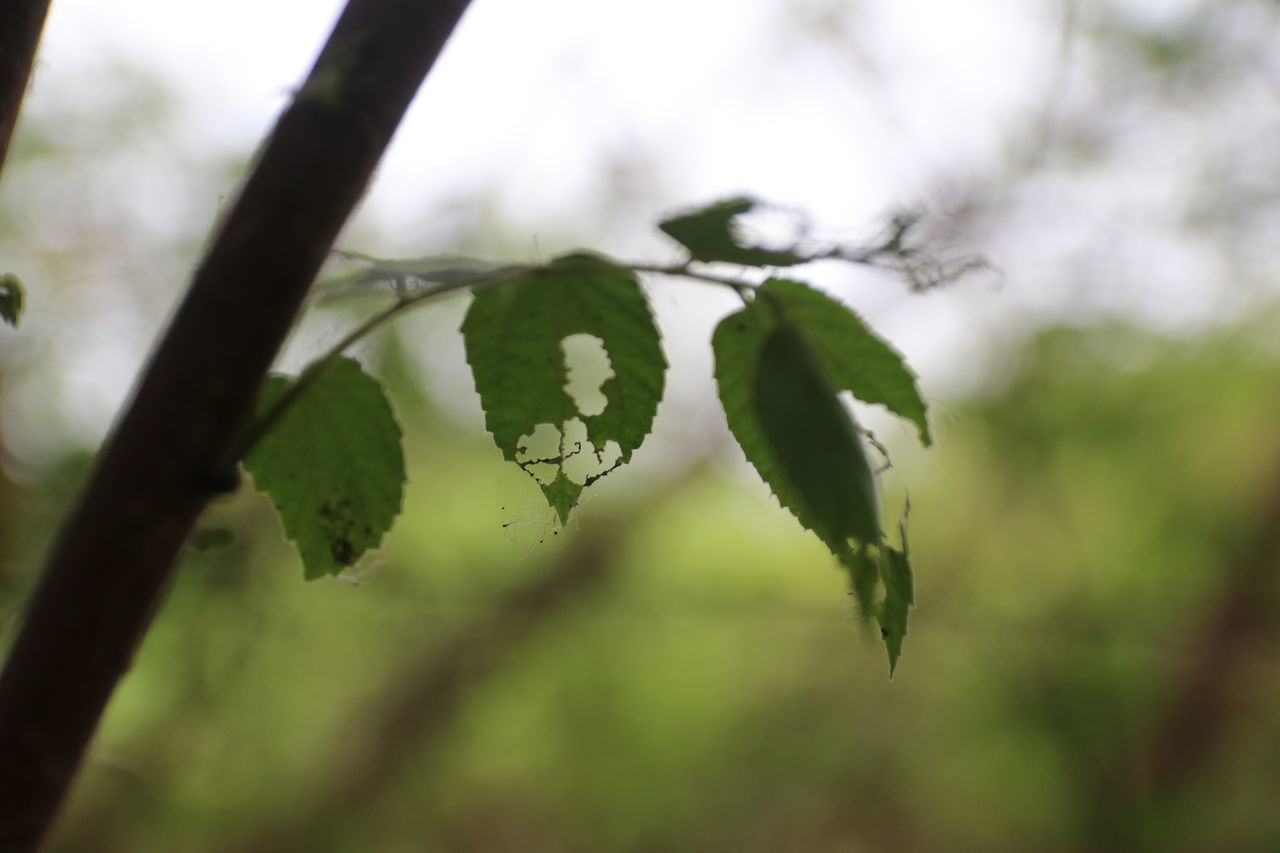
1071, 533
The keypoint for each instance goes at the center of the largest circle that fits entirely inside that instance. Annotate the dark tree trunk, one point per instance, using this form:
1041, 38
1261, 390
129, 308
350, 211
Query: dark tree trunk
20, 24
173, 447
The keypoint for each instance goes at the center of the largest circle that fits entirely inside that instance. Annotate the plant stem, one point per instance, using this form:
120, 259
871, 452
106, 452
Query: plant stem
491, 278
742, 288
313, 370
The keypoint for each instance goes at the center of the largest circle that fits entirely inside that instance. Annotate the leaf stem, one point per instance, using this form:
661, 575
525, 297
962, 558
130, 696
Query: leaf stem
312, 371
451, 280
686, 271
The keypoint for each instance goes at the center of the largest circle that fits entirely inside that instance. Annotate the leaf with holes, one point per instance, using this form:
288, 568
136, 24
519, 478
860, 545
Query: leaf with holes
710, 235
514, 336
332, 466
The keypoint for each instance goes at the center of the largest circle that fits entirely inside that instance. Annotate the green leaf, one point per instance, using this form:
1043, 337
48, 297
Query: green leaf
709, 235
864, 579
854, 357
12, 298
899, 595
562, 494
781, 363
784, 412
811, 435
514, 334
332, 465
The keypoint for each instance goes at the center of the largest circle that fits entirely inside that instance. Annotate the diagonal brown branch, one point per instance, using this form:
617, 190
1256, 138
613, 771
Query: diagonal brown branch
166, 456
20, 24
1204, 695
422, 699
415, 708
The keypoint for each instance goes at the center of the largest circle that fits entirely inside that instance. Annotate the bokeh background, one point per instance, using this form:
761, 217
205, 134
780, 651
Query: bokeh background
1092, 663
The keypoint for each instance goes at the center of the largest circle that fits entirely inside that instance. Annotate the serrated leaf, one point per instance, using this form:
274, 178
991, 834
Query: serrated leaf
12, 298
811, 435
332, 466
710, 235
780, 364
899, 595
514, 334
775, 443
853, 356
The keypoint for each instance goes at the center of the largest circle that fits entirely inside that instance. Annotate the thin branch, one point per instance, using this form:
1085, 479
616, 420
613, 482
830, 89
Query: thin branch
104, 577
313, 370
685, 270
452, 280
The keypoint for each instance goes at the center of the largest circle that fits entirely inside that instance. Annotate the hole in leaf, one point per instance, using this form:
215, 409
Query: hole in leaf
589, 368
588, 462
539, 453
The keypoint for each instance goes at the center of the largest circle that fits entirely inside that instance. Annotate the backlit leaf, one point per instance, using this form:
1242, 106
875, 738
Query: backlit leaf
811, 435
780, 365
514, 335
854, 357
332, 466
784, 412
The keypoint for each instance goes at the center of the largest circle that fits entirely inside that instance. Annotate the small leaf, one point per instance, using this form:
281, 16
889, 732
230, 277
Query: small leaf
12, 298
562, 494
854, 357
899, 595
710, 235
514, 335
332, 465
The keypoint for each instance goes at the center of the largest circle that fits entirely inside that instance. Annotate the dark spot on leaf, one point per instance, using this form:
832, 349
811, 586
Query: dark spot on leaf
342, 551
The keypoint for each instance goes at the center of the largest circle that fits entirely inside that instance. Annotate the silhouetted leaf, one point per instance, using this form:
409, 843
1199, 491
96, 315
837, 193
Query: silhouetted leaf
710, 235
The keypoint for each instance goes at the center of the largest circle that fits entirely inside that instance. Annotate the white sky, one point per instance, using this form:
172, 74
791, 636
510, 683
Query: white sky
532, 101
